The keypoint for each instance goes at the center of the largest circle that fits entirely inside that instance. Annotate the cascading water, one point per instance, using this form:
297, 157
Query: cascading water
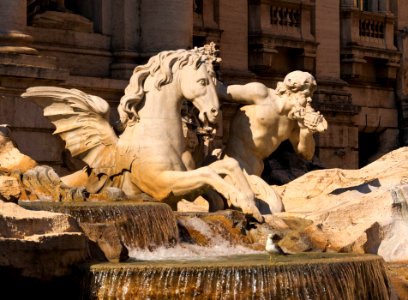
202, 238
395, 236
212, 265
312, 276
144, 225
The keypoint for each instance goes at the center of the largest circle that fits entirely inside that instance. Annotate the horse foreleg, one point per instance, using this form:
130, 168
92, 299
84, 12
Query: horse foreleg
267, 199
234, 175
180, 183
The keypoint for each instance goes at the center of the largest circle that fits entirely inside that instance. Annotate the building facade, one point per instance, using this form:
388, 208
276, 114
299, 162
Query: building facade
356, 49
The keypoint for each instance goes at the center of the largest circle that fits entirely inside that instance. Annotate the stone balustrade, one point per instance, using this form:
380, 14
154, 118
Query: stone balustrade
285, 14
278, 31
372, 27
368, 29
367, 40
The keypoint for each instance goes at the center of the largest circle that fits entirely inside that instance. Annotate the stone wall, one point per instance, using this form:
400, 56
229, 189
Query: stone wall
94, 46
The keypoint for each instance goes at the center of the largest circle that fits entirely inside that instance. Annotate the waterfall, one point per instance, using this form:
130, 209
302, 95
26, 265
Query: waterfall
395, 236
145, 225
311, 276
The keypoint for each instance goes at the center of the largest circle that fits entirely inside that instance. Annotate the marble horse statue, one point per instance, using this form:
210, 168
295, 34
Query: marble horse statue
145, 155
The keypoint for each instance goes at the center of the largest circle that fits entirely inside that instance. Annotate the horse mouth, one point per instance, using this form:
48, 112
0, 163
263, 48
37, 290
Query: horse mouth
208, 124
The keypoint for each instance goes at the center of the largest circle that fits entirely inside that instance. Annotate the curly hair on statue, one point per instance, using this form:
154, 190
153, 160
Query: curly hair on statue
163, 66
296, 81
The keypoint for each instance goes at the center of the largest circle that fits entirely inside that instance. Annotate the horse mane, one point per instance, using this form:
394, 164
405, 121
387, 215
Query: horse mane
163, 65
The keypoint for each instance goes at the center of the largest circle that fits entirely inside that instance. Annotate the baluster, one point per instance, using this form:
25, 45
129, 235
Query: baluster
372, 28
288, 20
381, 30
377, 30
279, 16
284, 16
272, 14
297, 18
360, 27
366, 28
291, 19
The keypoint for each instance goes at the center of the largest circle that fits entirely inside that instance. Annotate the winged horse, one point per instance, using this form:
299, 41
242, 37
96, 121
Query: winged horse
147, 155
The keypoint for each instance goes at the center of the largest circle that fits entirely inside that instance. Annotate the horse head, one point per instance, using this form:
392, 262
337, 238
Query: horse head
190, 72
197, 84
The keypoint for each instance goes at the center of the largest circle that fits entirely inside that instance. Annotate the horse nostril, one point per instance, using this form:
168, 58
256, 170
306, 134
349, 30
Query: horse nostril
214, 111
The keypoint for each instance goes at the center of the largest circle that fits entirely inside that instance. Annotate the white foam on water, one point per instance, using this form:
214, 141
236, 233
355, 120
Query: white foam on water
218, 246
184, 251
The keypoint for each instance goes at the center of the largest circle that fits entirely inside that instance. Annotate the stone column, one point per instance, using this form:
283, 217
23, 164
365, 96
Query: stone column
13, 20
234, 38
384, 6
125, 37
167, 25
327, 27
347, 3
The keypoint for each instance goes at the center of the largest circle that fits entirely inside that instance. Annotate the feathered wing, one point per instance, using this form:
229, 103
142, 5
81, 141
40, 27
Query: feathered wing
82, 121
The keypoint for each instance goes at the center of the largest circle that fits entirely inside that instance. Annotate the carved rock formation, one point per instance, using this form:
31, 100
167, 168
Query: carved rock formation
12, 163
228, 227
39, 244
115, 228
11, 159
9, 188
356, 210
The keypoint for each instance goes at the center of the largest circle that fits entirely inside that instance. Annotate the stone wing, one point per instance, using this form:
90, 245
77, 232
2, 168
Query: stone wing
82, 121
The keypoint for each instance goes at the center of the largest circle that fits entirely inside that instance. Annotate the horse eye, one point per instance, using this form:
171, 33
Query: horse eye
202, 82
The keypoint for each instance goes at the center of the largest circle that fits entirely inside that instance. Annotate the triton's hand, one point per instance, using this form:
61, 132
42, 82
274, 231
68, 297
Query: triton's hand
314, 121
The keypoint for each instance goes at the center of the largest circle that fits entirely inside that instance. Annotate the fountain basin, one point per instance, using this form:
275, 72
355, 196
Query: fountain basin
300, 276
116, 226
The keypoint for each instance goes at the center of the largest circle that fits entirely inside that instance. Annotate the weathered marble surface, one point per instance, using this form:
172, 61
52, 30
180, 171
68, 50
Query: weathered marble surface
144, 153
267, 118
39, 244
361, 210
11, 159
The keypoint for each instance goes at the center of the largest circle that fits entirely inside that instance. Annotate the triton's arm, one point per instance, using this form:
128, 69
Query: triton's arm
251, 93
303, 142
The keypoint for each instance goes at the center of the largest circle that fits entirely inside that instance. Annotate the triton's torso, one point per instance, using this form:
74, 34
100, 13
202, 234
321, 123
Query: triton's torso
256, 131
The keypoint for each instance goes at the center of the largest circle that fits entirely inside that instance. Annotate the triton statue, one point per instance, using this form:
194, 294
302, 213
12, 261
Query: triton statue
146, 153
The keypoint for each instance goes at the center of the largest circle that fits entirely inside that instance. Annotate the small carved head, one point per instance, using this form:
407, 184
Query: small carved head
297, 88
299, 83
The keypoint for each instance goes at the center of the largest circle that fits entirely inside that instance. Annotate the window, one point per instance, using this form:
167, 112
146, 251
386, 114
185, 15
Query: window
370, 5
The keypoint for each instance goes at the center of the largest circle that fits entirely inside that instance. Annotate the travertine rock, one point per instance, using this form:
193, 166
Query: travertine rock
228, 227
198, 205
11, 159
39, 244
17, 222
358, 210
43, 183
44, 256
107, 239
9, 188
296, 234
